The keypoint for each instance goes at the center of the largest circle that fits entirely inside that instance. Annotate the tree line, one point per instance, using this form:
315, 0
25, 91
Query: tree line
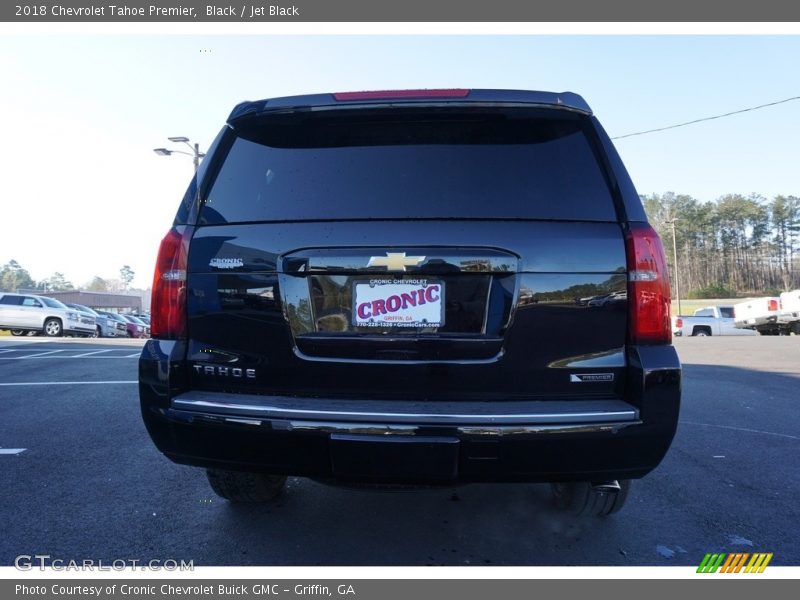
13, 277
734, 246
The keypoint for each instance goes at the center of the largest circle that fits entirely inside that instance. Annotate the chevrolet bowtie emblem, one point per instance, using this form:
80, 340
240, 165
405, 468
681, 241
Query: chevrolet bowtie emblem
395, 261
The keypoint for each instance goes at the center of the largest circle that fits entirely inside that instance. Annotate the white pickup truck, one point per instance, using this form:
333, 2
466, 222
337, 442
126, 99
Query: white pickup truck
770, 315
711, 320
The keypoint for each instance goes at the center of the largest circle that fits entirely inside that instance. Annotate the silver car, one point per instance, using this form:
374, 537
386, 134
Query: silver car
23, 313
105, 325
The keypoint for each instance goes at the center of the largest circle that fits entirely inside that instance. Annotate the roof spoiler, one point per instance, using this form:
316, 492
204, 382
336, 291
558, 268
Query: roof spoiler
438, 97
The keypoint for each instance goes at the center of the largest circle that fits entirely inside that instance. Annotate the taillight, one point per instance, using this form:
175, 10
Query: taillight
168, 301
678, 323
398, 94
648, 287
772, 305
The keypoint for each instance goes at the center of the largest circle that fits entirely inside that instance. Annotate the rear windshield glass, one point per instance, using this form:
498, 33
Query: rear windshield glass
413, 166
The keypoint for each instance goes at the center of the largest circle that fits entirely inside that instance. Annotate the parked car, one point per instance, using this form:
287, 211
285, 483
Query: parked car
340, 297
711, 320
789, 316
771, 315
101, 323
120, 324
761, 315
613, 300
24, 313
136, 327
106, 326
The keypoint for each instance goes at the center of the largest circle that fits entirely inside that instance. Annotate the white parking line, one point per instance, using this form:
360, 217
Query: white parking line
65, 383
12, 450
2, 351
745, 429
37, 355
89, 353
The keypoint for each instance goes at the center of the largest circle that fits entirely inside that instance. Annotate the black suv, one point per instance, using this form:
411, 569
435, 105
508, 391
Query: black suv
396, 288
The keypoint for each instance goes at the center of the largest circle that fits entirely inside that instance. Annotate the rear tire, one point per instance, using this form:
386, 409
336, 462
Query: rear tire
701, 332
237, 486
52, 328
582, 499
19, 332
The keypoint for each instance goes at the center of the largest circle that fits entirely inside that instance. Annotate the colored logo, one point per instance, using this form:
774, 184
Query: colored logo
735, 562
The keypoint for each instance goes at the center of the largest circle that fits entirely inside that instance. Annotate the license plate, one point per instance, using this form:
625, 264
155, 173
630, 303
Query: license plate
398, 303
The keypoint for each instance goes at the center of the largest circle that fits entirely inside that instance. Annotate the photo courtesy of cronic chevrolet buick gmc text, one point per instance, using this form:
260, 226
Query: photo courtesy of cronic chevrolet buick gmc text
382, 289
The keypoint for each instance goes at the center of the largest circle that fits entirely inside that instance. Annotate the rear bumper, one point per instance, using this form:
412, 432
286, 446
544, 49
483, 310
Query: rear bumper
415, 442
756, 322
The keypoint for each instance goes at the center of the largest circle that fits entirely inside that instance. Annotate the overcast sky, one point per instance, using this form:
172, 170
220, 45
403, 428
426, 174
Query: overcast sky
84, 194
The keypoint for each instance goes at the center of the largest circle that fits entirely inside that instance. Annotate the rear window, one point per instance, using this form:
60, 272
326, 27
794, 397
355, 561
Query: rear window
53, 303
11, 300
443, 165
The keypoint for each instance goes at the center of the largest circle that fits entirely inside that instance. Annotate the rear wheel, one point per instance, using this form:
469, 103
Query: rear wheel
701, 332
52, 328
19, 332
585, 499
238, 486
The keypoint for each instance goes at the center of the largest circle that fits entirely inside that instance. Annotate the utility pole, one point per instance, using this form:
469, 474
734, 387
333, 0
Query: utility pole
671, 222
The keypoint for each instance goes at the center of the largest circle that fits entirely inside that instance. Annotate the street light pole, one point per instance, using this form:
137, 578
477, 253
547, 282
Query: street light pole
675, 262
195, 153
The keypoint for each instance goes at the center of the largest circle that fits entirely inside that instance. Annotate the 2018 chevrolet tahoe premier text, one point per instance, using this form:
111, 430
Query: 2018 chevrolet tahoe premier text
378, 288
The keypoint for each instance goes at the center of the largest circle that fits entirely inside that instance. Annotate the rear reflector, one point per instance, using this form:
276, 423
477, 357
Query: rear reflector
772, 305
394, 94
648, 287
168, 300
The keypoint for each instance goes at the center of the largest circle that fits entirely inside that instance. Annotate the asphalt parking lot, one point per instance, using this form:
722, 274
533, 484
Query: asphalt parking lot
81, 480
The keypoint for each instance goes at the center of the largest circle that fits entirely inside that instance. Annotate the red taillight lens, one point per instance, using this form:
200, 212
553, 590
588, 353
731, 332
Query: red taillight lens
648, 287
678, 323
168, 301
772, 305
397, 94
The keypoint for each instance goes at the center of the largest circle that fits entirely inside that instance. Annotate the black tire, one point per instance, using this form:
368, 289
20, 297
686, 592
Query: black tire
130, 335
237, 486
582, 499
19, 332
53, 328
98, 333
701, 332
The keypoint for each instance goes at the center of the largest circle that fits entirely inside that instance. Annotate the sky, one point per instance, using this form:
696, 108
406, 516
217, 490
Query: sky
83, 193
